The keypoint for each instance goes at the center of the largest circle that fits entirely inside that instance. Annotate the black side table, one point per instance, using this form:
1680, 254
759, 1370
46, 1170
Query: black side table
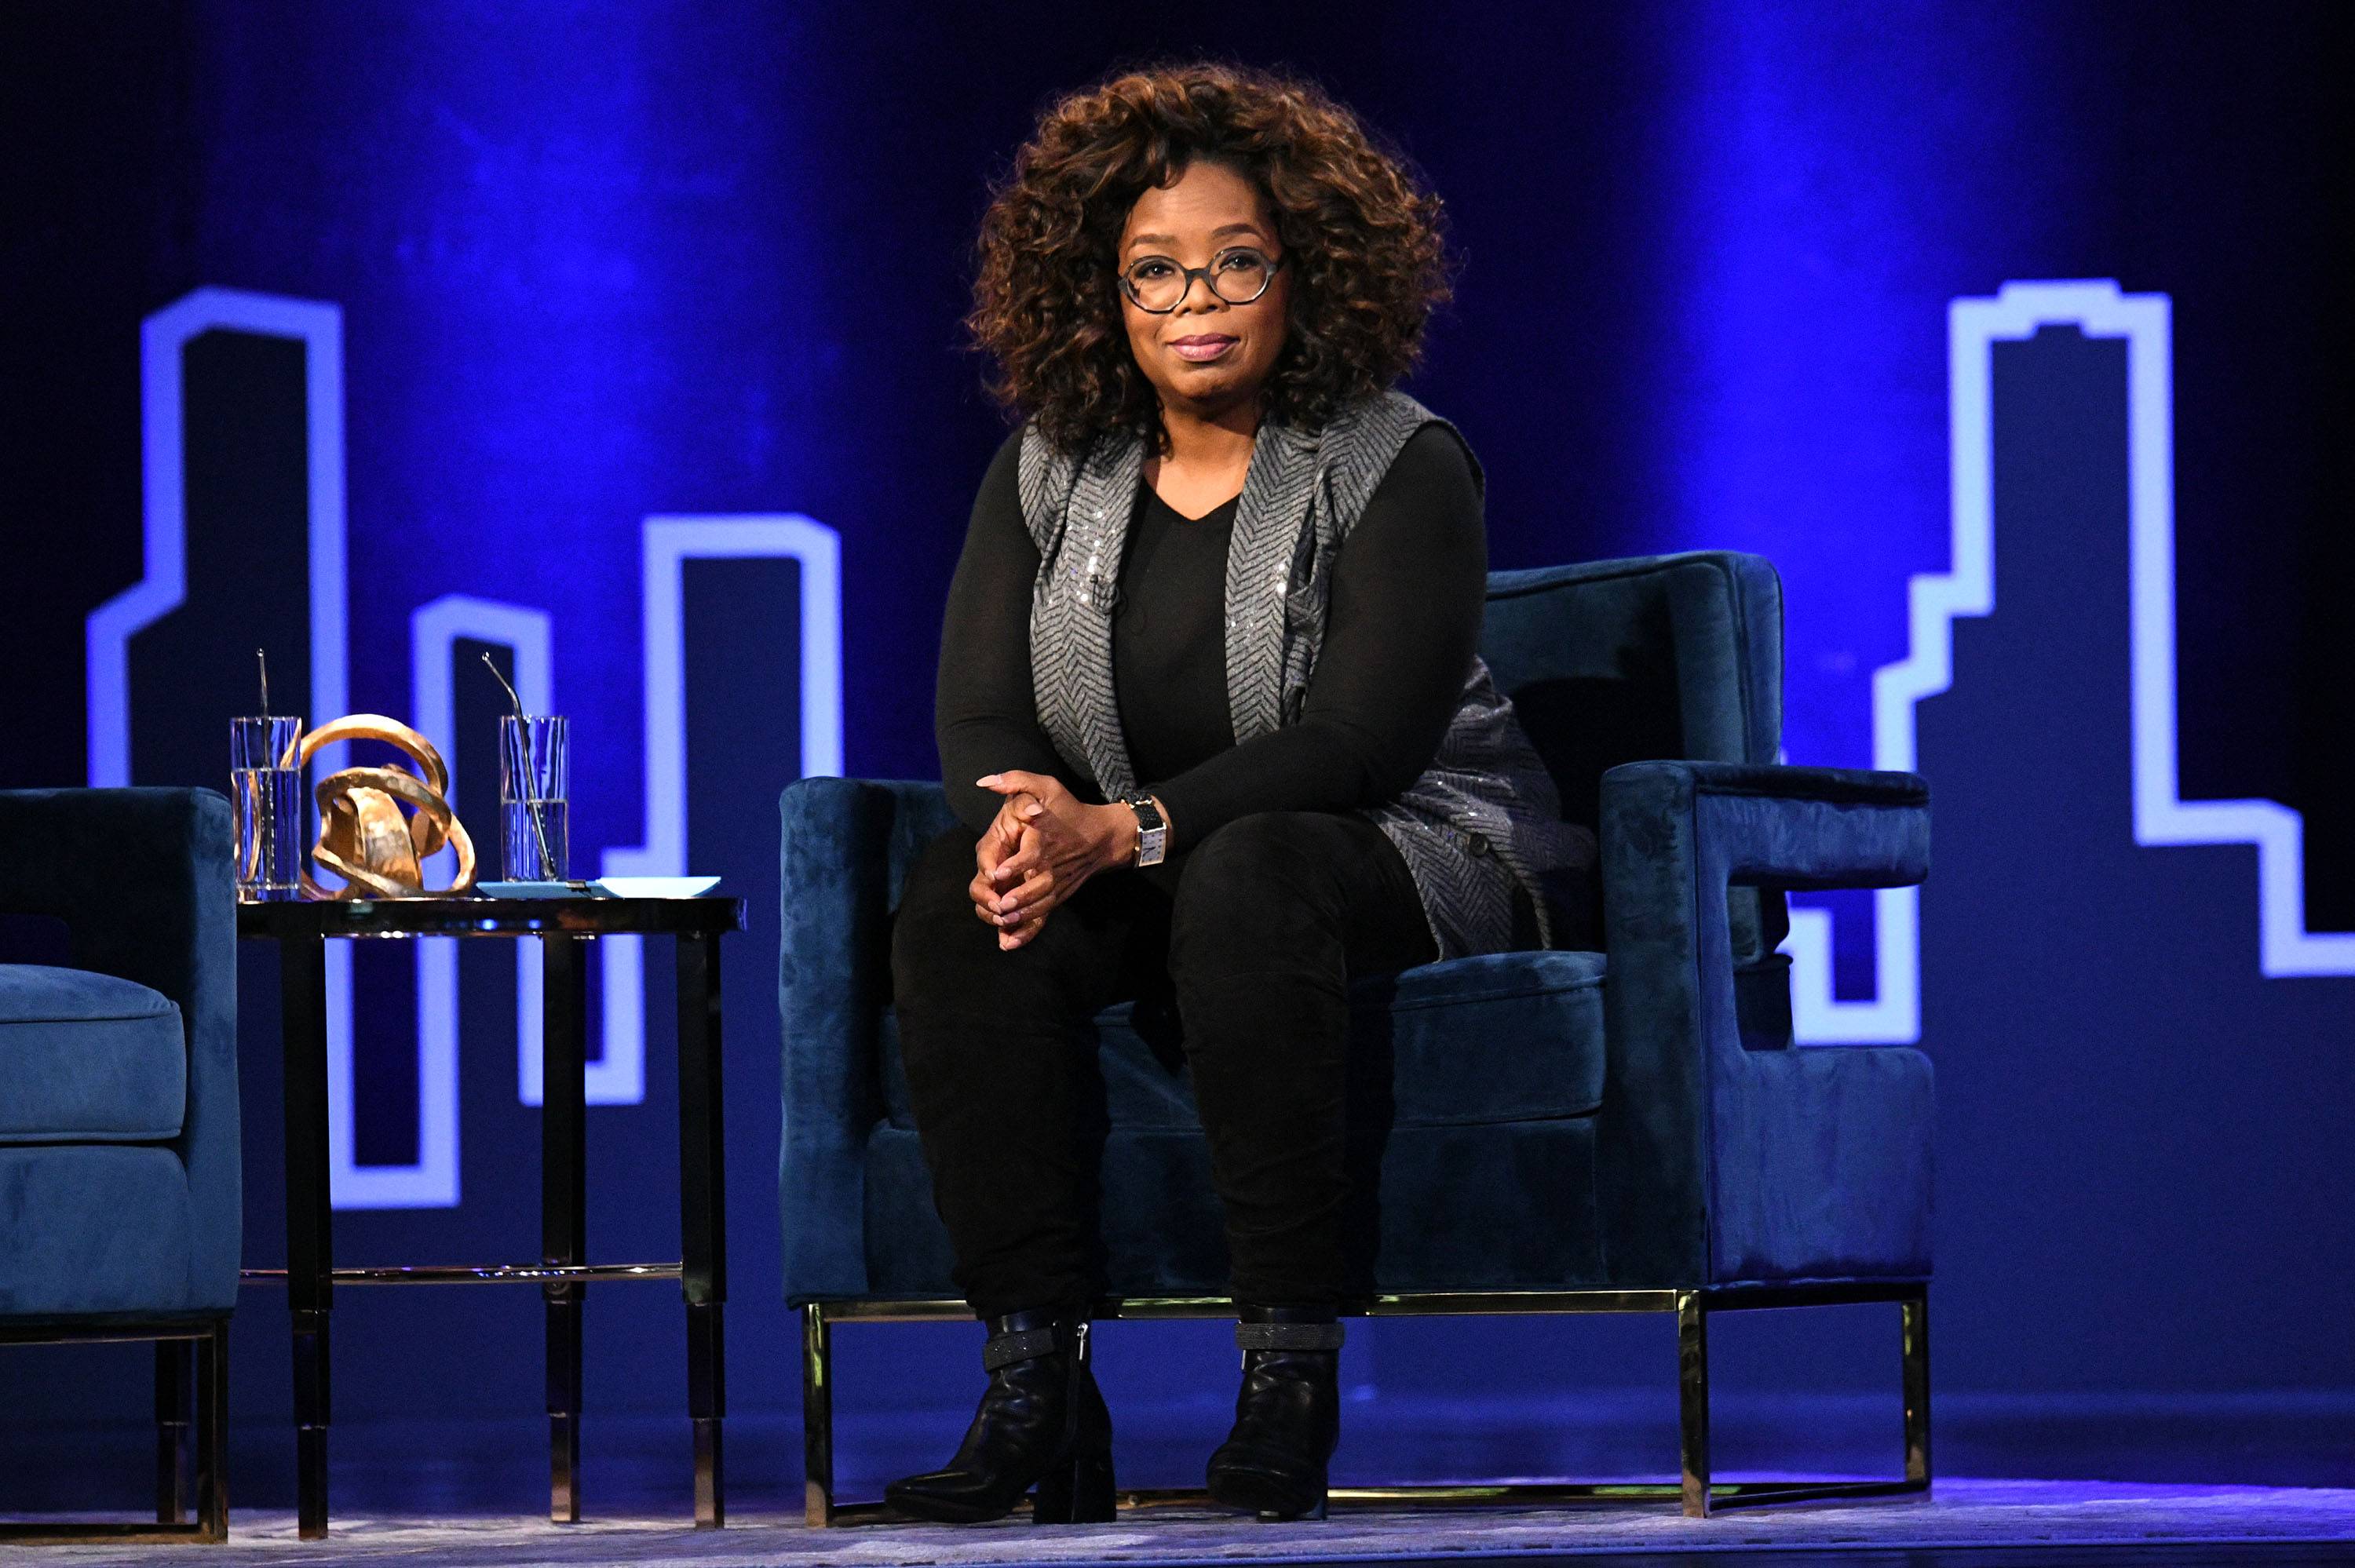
302, 930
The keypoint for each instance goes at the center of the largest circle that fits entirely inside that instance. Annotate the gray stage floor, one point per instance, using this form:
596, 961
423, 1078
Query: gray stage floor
2138, 1522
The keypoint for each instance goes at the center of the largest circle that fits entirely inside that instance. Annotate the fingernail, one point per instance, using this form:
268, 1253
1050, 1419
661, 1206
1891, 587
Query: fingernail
1032, 810
987, 780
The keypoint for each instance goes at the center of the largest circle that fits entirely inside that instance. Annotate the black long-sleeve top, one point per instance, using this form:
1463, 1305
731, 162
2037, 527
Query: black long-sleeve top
1403, 622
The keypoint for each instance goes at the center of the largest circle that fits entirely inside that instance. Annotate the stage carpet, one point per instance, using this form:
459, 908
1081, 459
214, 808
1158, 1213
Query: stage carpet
2146, 1523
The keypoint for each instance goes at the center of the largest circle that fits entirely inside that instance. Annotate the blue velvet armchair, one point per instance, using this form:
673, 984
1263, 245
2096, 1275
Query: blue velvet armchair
1623, 1130
120, 1196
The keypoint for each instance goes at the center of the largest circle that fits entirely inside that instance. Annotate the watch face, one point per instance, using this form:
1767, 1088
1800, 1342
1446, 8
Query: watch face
1152, 832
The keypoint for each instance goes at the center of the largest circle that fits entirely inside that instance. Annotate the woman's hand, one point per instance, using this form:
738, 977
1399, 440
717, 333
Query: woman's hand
1056, 842
999, 839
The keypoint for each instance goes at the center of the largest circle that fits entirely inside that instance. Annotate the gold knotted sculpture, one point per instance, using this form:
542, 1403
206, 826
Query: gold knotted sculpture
363, 836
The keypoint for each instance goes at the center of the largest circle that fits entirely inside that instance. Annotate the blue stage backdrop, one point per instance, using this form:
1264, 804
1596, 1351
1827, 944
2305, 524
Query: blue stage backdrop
621, 344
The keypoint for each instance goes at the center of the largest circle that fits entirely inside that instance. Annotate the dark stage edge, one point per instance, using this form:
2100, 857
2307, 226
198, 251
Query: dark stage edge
1980, 1522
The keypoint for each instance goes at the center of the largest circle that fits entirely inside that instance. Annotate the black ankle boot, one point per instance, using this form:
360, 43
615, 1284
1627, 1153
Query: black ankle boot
1287, 1417
1042, 1423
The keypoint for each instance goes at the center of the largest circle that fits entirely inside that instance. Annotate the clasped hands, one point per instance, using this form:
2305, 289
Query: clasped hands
1042, 846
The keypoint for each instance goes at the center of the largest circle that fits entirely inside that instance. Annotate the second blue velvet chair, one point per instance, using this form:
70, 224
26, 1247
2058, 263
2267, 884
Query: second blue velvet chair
119, 1150
1623, 1131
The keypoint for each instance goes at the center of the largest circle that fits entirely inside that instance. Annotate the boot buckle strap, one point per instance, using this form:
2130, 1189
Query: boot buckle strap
1288, 1336
1004, 1350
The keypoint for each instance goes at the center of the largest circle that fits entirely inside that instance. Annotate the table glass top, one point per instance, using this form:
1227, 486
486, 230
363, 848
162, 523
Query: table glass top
488, 917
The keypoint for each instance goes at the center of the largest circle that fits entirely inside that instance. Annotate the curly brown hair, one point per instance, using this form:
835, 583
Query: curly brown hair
1362, 235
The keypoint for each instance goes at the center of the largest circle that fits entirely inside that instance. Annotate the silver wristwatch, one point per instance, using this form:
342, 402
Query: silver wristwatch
1152, 832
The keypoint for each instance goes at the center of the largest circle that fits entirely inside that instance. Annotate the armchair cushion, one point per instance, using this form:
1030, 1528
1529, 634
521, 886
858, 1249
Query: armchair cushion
1507, 1037
88, 1229
88, 1059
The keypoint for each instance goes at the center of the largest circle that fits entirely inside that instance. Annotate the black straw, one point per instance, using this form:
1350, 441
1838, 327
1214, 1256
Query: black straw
263, 659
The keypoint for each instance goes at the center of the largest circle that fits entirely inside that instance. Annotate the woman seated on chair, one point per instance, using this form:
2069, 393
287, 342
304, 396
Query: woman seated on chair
1210, 712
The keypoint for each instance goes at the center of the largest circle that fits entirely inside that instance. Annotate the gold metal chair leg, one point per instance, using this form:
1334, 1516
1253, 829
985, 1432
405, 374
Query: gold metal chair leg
817, 1416
1915, 1331
1692, 1402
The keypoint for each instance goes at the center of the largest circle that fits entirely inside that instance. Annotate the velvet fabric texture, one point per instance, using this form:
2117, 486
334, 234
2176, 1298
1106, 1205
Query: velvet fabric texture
120, 1195
1635, 1117
88, 1059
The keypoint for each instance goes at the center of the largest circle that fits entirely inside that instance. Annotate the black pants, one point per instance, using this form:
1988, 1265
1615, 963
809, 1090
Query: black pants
1255, 937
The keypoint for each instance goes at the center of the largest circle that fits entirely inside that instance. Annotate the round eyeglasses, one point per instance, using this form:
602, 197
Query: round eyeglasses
1238, 276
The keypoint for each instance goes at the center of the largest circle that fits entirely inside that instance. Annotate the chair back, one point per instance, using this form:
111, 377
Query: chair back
1675, 657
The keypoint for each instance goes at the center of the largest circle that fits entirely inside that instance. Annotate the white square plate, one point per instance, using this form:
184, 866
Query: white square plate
655, 886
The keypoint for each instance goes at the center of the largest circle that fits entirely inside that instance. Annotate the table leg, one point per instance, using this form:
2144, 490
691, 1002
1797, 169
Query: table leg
302, 1032
563, 1204
703, 1216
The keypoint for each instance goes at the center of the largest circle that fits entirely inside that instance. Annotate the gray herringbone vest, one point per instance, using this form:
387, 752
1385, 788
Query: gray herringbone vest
1482, 817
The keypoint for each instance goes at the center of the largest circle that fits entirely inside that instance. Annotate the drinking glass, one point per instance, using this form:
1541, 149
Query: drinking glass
535, 770
269, 816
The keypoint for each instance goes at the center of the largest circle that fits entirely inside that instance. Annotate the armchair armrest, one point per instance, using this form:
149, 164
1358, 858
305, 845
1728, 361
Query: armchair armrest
845, 847
145, 882
1783, 827
1674, 836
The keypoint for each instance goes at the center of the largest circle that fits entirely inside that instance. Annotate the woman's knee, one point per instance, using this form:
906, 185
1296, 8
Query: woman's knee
936, 915
1264, 878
